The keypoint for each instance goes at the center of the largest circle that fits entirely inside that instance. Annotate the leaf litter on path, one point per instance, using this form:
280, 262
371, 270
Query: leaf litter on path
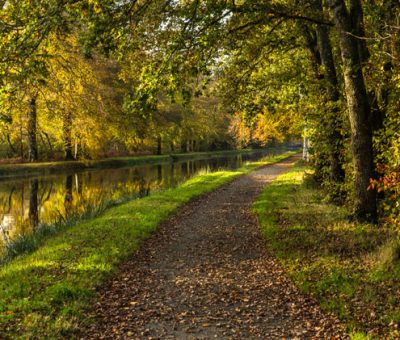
207, 274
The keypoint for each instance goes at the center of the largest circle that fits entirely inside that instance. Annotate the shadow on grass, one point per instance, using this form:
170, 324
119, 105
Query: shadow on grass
340, 238
342, 263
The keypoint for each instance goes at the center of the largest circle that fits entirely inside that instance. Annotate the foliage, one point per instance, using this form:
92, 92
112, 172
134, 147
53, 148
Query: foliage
112, 77
93, 104
387, 142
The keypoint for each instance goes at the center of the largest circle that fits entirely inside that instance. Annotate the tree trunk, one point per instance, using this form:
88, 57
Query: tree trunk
335, 138
359, 112
67, 136
319, 45
159, 174
21, 138
49, 143
8, 138
357, 22
184, 146
45, 154
311, 43
32, 131
159, 145
76, 149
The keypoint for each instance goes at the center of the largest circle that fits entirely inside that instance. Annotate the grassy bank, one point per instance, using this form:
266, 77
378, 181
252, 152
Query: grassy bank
43, 294
46, 168
352, 269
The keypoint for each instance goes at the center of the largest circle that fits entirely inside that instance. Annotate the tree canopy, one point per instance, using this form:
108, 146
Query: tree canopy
93, 78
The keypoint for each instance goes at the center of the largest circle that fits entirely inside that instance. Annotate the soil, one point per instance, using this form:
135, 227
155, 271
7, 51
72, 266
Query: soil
208, 273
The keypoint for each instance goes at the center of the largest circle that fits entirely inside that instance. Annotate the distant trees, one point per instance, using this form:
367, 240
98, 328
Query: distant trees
63, 97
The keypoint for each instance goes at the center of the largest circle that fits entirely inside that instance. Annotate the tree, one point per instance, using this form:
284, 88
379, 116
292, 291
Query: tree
246, 16
348, 24
154, 75
23, 58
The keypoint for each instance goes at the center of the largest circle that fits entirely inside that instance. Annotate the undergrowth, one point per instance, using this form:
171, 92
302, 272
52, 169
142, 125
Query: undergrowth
353, 269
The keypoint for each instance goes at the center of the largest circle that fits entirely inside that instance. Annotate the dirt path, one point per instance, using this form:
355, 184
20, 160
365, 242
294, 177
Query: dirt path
207, 274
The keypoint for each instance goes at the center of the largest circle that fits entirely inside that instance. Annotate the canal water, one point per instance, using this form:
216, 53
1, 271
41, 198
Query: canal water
27, 202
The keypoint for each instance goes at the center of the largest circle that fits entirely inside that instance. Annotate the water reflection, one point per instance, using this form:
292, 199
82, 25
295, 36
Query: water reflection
33, 203
25, 203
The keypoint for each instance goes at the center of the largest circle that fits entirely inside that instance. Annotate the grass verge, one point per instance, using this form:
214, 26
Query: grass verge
28, 243
353, 269
43, 294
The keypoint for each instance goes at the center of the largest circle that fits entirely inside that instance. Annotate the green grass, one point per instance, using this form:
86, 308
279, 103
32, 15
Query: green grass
44, 294
351, 268
25, 244
46, 168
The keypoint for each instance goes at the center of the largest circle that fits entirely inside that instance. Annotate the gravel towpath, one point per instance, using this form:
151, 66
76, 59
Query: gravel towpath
206, 274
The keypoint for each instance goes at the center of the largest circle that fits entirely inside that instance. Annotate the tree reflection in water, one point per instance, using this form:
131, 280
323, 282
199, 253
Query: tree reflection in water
33, 204
27, 202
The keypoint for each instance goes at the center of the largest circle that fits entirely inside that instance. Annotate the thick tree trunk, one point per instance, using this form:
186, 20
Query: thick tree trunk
359, 112
32, 131
357, 22
335, 138
67, 136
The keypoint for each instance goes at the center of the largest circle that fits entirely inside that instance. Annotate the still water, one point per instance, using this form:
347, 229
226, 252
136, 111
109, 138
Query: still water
27, 202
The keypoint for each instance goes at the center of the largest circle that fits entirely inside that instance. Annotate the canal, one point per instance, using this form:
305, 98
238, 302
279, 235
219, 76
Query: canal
28, 202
